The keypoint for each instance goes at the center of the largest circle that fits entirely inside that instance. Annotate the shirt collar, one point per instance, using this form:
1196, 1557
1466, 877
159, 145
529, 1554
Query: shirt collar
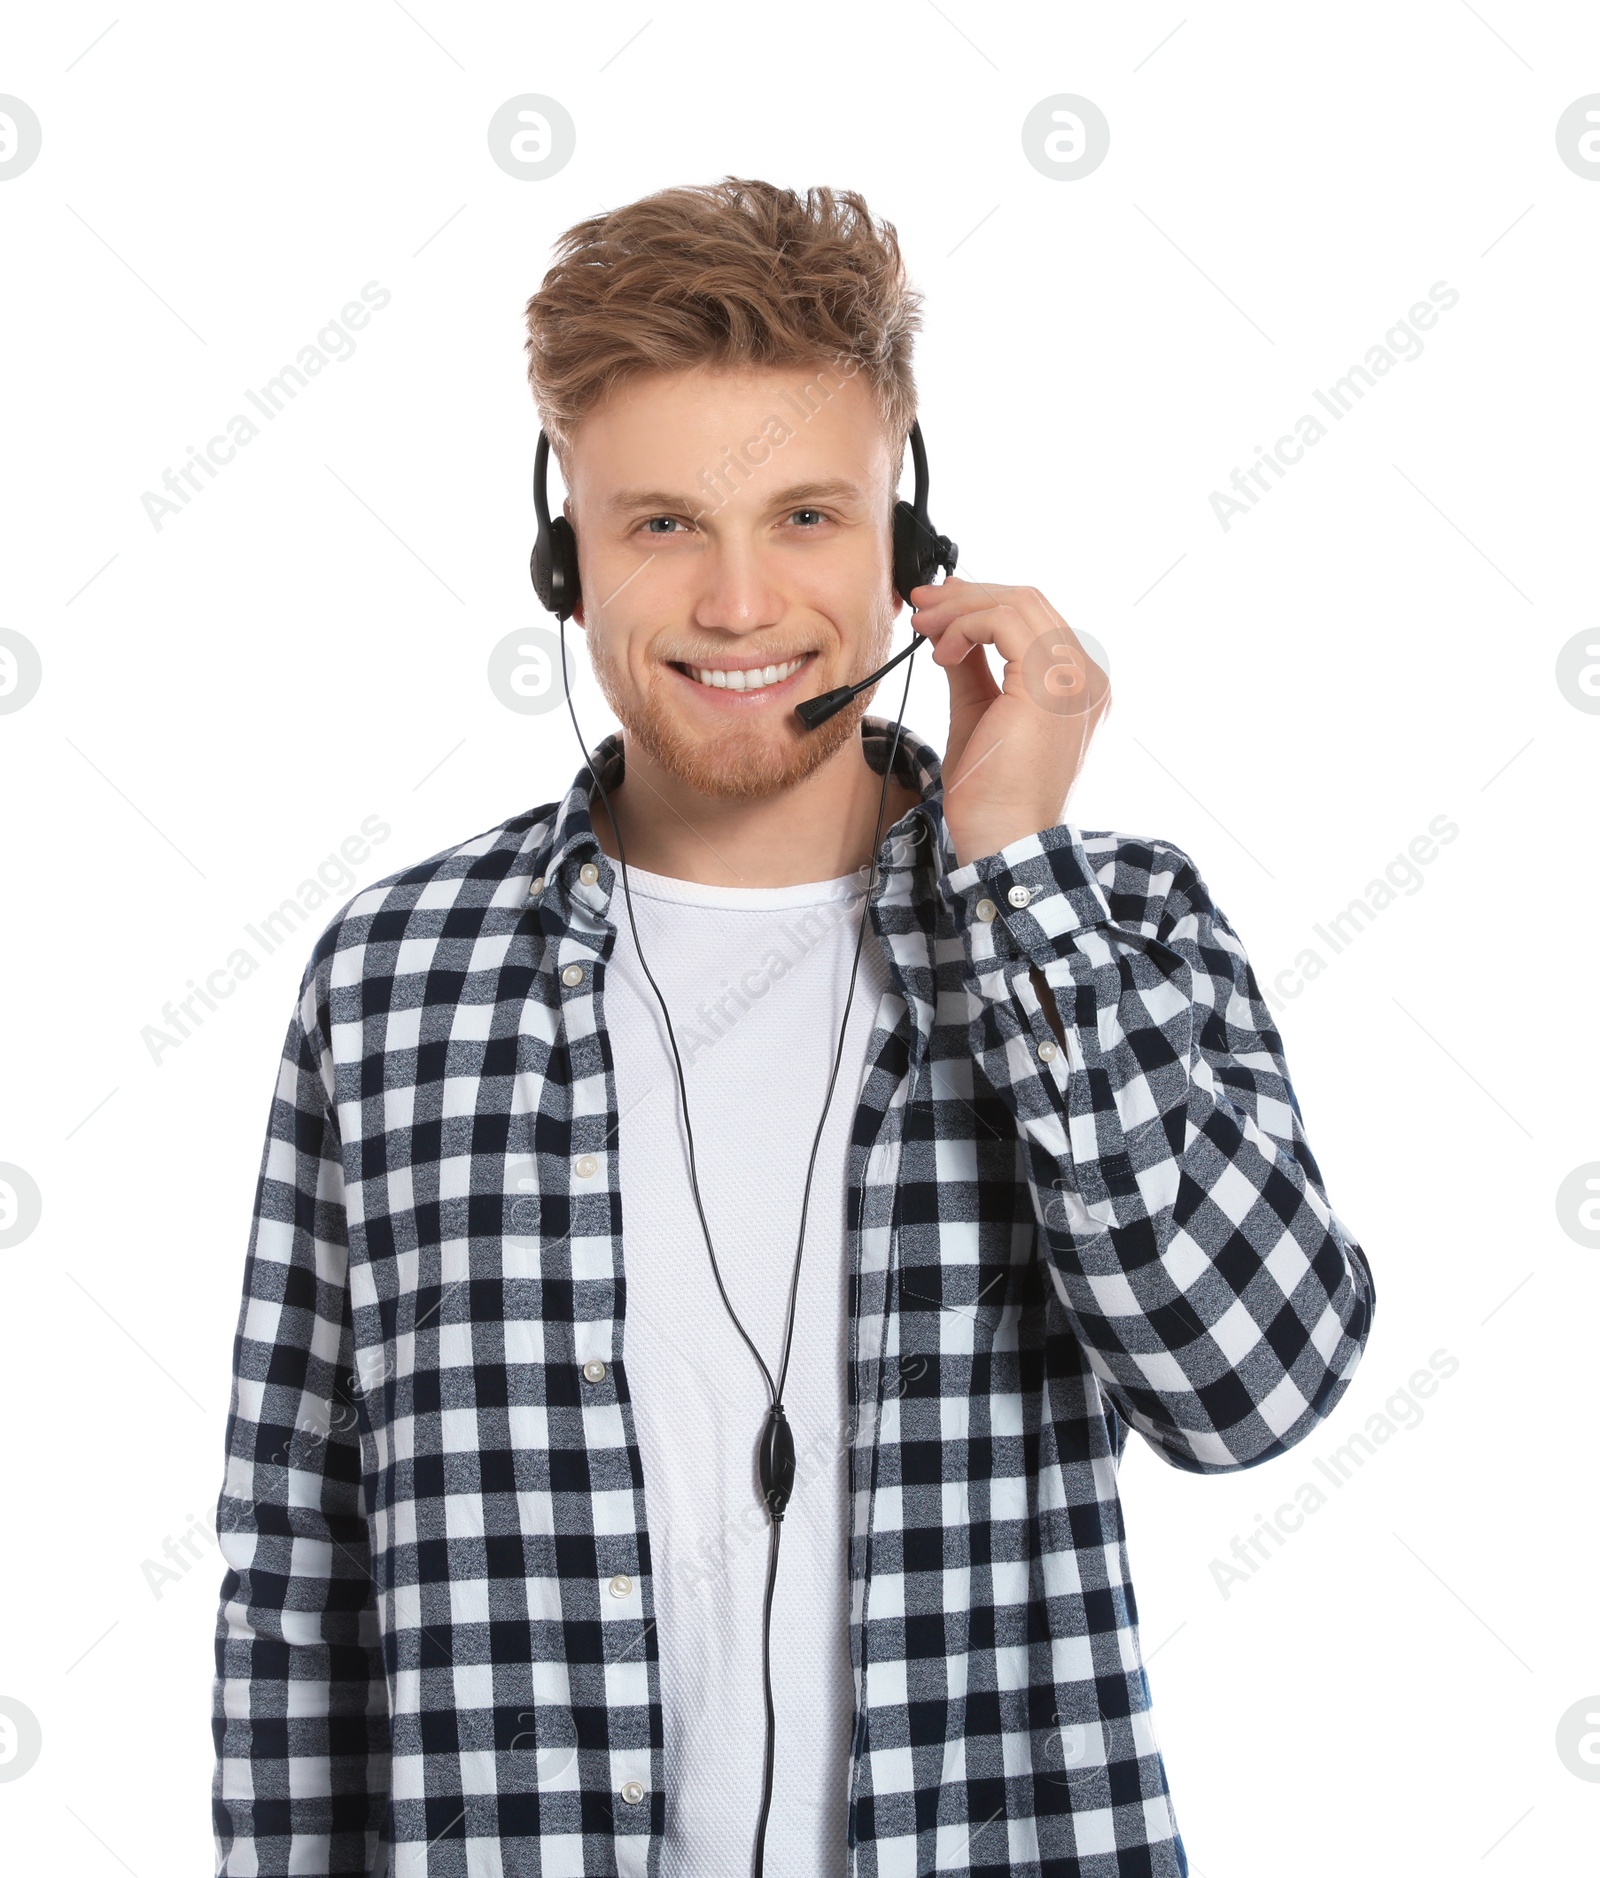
571, 843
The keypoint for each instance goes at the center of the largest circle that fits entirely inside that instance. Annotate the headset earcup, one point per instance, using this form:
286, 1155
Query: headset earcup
566, 557
915, 552
554, 567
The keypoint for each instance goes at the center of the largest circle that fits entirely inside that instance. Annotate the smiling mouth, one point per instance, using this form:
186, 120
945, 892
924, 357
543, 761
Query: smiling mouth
743, 678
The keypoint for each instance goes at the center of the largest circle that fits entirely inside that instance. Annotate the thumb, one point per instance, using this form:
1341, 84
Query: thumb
972, 690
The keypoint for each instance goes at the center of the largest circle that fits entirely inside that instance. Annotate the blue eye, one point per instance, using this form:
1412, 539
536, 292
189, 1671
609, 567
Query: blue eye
669, 520
814, 512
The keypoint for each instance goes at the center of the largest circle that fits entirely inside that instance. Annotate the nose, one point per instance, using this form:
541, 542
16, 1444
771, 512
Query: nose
737, 594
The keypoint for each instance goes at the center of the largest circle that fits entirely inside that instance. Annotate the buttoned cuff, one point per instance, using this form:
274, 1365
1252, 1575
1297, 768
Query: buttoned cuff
1034, 893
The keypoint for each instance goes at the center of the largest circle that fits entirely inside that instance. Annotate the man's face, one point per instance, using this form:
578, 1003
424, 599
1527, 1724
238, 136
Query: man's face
735, 559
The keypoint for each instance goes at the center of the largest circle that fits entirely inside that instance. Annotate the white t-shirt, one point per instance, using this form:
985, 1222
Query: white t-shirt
755, 980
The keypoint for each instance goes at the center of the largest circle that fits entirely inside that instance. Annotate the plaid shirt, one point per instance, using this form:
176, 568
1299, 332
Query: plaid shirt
437, 1626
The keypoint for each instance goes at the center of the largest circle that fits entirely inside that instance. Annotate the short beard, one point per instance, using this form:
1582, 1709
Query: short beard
735, 766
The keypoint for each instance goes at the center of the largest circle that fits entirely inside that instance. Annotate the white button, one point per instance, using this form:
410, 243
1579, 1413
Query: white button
1020, 896
573, 975
986, 909
621, 1585
1047, 1052
536, 886
588, 873
594, 1370
585, 1166
632, 1792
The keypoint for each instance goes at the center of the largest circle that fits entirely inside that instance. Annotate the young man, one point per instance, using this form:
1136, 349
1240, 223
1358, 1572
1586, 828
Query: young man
499, 1557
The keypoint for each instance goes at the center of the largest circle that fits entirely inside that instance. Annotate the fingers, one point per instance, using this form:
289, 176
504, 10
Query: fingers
1015, 620
972, 685
1005, 627
955, 596
972, 690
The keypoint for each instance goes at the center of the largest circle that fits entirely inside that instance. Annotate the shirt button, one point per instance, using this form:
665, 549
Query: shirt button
594, 1370
573, 975
621, 1585
632, 1792
584, 1166
1047, 1052
1020, 896
536, 886
986, 910
588, 873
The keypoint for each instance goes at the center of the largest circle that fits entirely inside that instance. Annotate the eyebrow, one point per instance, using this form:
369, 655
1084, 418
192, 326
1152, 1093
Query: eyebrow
629, 500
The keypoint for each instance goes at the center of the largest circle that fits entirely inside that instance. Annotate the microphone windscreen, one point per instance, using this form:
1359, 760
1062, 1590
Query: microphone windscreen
817, 711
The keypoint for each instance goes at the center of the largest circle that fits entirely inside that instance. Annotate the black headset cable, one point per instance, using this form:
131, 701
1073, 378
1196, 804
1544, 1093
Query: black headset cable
775, 1507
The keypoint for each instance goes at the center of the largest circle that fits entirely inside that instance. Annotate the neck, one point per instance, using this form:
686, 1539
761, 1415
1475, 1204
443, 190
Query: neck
819, 829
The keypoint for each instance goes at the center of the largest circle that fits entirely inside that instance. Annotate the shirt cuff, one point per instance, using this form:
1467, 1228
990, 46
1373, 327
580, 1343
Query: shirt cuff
1037, 892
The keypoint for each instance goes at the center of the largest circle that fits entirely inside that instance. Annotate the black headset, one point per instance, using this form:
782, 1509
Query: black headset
919, 552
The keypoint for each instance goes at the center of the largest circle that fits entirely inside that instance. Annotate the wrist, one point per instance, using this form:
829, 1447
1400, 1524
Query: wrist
1030, 896
973, 843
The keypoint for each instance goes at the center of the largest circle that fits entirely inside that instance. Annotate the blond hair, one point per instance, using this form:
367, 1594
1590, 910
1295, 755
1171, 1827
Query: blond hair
736, 273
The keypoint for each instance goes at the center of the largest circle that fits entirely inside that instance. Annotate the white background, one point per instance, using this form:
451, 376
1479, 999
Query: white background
1372, 646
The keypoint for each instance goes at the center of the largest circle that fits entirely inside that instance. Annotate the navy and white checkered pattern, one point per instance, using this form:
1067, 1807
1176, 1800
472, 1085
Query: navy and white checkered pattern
437, 1626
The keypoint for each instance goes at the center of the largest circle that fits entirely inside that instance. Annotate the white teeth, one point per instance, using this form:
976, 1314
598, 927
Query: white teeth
754, 679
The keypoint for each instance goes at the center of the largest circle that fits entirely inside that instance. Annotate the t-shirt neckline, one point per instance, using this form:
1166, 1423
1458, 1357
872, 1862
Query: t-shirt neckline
648, 886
